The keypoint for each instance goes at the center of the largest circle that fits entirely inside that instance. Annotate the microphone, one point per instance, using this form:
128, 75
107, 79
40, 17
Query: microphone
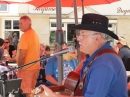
69, 49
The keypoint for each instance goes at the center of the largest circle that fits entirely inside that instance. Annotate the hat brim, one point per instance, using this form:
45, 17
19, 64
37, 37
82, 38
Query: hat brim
94, 28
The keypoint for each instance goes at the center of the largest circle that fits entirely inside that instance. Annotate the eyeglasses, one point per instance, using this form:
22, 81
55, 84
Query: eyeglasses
83, 36
6, 42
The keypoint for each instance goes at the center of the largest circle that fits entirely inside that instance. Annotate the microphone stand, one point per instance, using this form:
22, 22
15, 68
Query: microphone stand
4, 76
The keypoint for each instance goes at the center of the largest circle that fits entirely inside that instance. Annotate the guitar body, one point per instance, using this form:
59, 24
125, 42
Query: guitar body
71, 83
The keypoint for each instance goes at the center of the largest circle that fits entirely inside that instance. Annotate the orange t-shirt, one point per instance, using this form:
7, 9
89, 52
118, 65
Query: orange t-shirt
30, 41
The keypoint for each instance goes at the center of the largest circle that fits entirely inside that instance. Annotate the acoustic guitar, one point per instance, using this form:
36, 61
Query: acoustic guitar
69, 87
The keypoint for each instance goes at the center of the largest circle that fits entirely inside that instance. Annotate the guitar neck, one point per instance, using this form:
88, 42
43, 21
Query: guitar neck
57, 88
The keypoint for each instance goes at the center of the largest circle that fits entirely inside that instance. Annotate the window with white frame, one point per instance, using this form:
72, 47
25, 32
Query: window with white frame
11, 31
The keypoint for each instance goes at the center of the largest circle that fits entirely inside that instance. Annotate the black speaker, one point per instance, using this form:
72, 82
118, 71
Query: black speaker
12, 85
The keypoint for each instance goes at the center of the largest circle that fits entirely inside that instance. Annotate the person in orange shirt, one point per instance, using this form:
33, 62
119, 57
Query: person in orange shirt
28, 51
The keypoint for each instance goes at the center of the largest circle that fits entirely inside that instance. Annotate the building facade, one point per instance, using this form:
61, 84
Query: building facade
44, 23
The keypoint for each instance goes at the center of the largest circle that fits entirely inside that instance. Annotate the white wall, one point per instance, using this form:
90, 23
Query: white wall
12, 10
23, 8
40, 22
41, 25
123, 28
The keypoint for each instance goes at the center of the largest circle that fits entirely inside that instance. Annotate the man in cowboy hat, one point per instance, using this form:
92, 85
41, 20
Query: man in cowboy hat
103, 73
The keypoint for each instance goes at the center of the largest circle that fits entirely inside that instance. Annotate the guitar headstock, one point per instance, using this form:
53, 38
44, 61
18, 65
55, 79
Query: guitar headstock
37, 91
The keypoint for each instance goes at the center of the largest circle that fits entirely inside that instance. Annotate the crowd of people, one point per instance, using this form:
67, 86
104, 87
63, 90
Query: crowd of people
102, 68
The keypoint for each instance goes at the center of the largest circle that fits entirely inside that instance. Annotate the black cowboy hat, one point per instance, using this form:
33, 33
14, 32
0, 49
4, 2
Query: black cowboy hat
95, 22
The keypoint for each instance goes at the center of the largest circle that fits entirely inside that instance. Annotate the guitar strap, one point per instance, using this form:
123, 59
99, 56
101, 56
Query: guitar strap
80, 87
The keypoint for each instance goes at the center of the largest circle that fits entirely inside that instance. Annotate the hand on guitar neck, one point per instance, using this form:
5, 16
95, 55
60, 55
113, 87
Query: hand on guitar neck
37, 91
40, 90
